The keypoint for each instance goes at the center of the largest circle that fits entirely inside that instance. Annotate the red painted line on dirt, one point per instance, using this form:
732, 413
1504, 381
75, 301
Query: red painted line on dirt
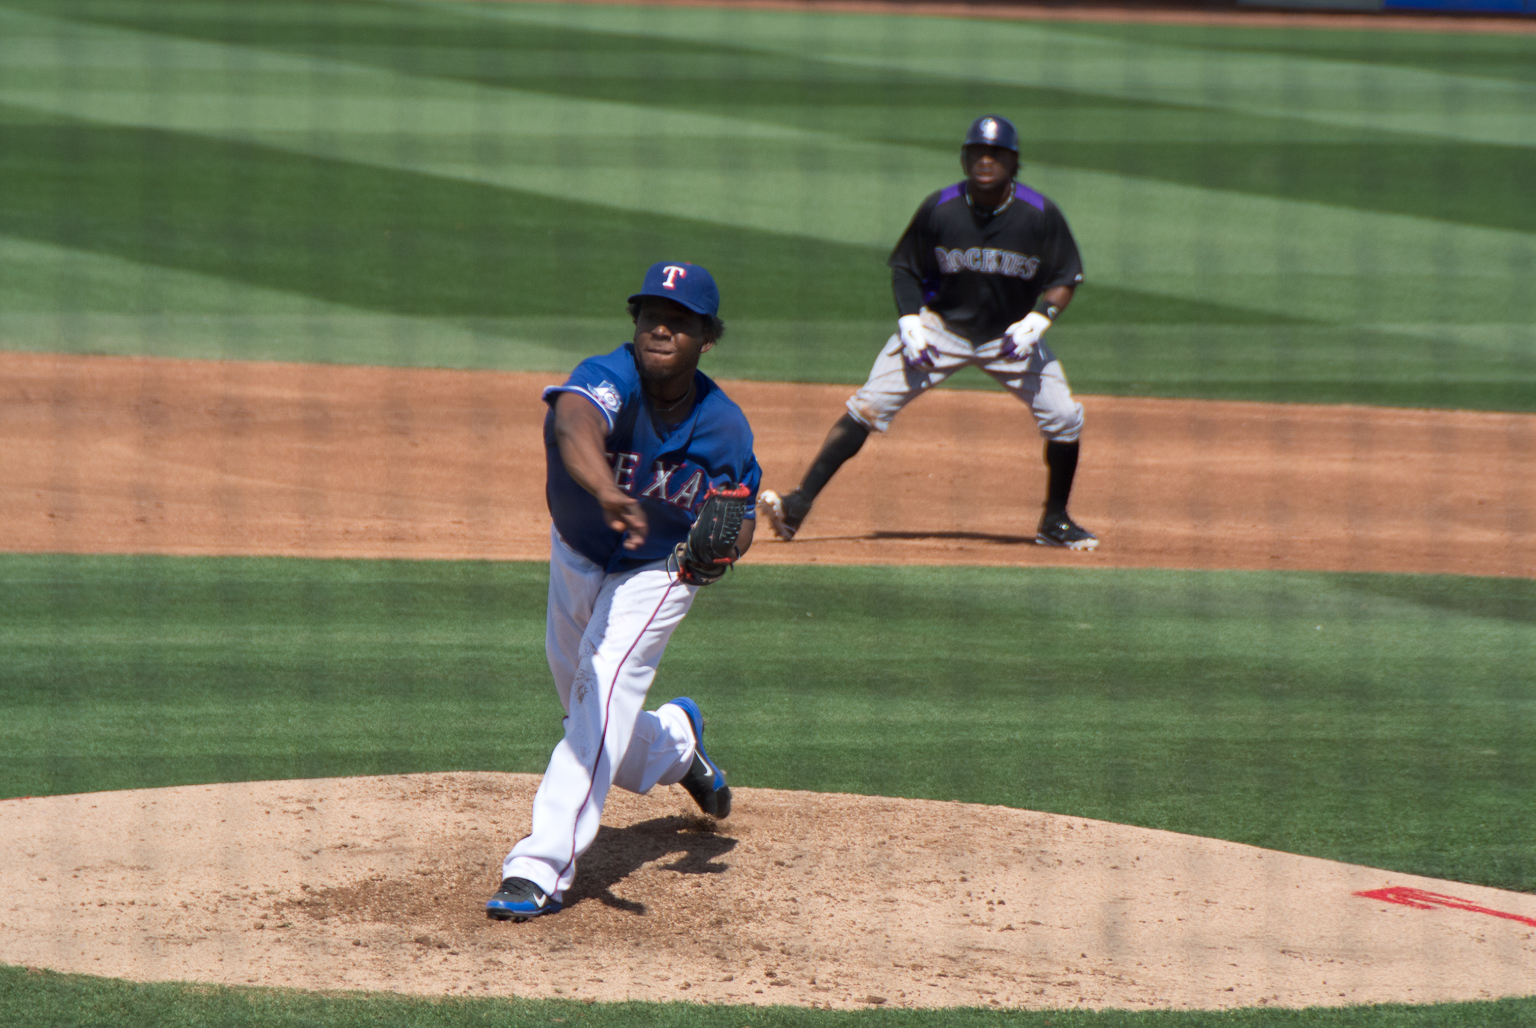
1421, 900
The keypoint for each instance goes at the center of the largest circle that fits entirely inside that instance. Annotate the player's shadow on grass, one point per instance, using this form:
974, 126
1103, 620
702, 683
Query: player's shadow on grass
619, 852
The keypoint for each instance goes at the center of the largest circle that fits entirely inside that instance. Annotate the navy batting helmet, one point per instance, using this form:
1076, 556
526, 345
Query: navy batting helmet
990, 130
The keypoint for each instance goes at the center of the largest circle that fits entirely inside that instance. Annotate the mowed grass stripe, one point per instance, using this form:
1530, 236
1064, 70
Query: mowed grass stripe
1201, 146
1476, 54
1329, 92
129, 296
1381, 720
388, 234
1280, 257
334, 261
36, 997
32, 996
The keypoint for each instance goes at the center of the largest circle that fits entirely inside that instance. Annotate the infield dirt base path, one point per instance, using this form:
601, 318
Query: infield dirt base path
125, 455
799, 898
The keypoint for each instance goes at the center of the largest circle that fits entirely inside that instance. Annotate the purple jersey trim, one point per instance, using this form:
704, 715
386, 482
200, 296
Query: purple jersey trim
950, 193
1029, 196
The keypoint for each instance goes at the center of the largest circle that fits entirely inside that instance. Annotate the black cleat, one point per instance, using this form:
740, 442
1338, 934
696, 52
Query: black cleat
1061, 530
784, 513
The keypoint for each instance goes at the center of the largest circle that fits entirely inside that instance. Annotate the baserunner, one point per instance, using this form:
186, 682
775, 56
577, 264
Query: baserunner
983, 270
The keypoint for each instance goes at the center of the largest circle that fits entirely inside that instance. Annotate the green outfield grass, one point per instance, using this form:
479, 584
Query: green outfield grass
1381, 720
1329, 216
1319, 215
76, 1001
1385, 720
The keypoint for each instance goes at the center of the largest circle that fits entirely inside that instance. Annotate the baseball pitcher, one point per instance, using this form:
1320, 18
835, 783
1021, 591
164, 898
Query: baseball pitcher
651, 481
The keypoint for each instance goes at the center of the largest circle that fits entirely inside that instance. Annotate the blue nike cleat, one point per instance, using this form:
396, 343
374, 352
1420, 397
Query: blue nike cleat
704, 781
518, 899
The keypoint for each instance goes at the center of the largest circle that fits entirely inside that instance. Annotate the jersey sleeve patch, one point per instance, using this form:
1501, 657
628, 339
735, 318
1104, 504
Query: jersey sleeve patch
606, 381
608, 401
606, 394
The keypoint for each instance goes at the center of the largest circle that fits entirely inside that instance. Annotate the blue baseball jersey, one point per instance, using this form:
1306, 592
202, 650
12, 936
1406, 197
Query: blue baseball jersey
668, 468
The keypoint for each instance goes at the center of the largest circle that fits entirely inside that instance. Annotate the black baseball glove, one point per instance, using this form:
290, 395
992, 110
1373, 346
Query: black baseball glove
710, 550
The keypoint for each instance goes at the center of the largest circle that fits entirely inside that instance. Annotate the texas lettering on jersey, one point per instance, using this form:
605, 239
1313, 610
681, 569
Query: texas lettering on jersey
664, 477
666, 468
623, 465
987, 261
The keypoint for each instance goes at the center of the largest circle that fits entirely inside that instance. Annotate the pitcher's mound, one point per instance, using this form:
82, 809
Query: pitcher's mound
799, 898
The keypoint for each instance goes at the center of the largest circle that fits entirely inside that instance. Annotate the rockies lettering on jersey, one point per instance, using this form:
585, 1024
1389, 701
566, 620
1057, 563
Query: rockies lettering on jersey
988, 262
982, 270
667, 468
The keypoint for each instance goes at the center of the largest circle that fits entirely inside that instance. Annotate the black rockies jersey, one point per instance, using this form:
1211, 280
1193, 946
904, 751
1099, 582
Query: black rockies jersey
981, 272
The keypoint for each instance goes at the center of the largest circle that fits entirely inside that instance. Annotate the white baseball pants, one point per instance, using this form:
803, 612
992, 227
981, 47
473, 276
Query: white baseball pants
604, 637
1038, 381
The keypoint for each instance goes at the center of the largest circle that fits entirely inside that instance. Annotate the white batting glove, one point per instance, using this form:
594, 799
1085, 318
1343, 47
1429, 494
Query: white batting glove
917, 347
1020, 339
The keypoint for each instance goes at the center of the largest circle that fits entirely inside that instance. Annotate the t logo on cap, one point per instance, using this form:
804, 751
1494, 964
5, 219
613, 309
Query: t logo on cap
690, 285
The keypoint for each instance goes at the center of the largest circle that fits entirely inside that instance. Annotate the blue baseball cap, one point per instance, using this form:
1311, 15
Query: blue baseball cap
684, 283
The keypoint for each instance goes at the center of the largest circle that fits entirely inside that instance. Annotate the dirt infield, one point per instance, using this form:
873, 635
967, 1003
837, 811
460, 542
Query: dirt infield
799, 898
806, 899
123, 455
